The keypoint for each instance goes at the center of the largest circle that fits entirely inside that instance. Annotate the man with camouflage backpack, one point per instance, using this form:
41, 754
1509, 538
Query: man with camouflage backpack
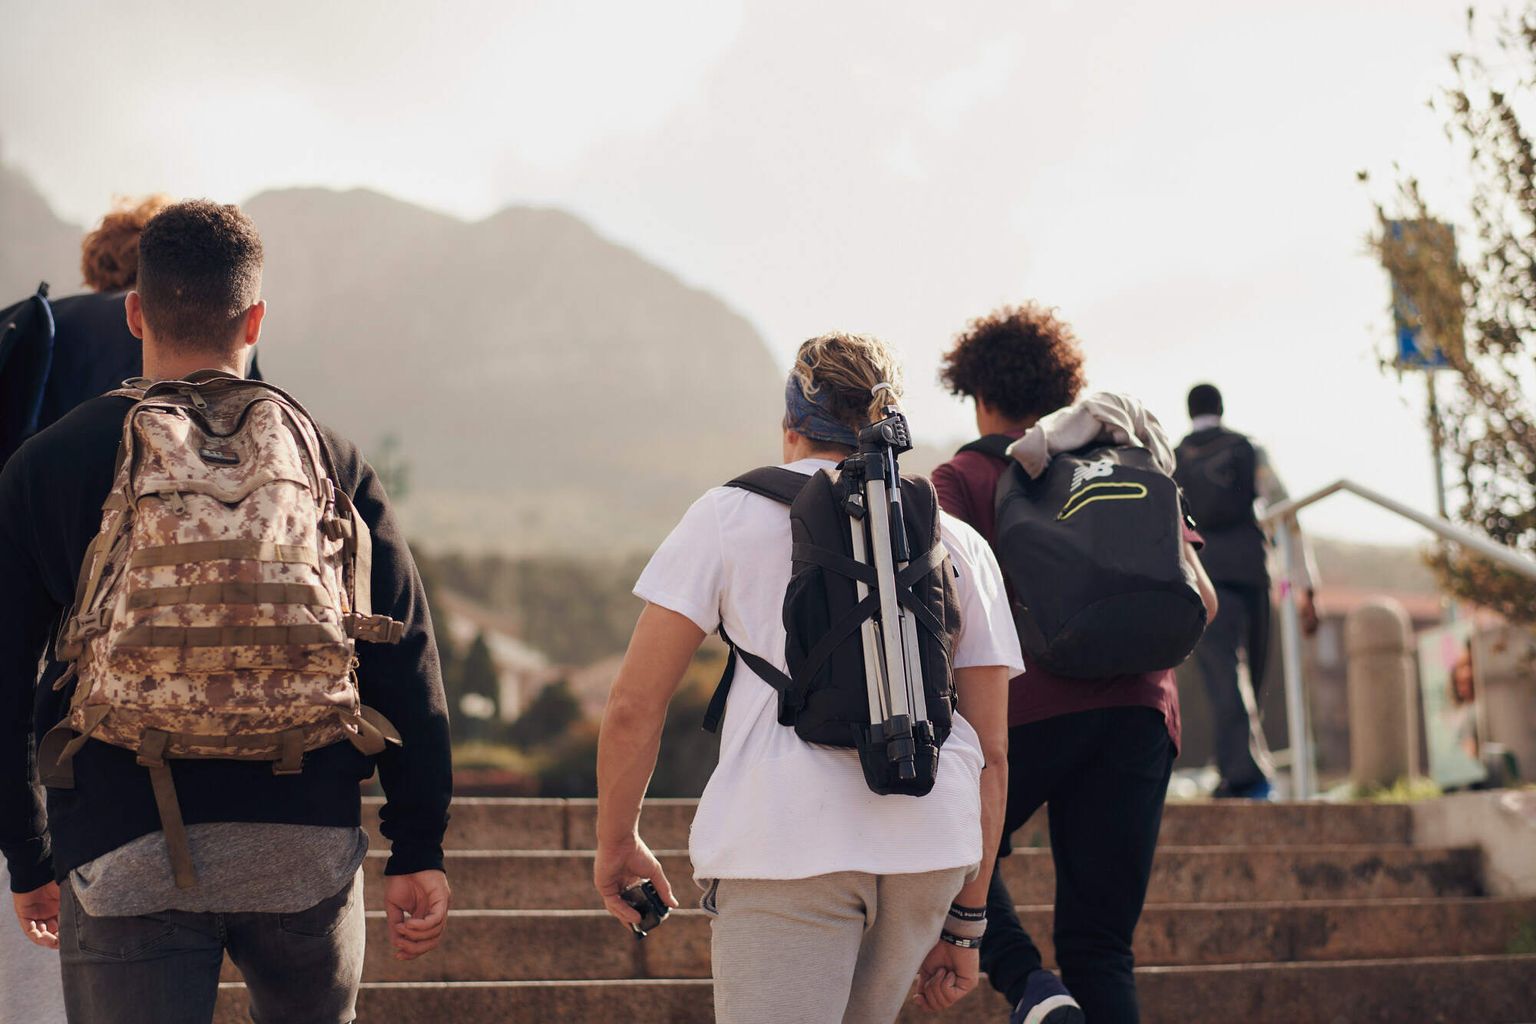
231, 635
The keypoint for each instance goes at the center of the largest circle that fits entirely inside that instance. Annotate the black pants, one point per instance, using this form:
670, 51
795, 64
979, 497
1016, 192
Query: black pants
1242, 627
164, 968
1104, 774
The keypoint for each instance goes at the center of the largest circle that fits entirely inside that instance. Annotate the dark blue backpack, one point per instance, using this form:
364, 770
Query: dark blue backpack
26, 355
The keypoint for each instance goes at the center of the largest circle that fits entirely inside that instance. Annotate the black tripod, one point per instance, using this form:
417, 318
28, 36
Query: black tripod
900, 737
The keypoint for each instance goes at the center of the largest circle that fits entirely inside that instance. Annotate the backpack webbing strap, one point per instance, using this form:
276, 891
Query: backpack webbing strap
776, 484
836, 562
361, 623
152, 756
766, 672
291, 760
995, 445
214, 550
839, 631
359, 544
229, 593
772, 482
297, 635
933, 561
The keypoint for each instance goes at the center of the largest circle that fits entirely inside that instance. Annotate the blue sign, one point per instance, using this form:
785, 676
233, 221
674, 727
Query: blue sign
1411, 354
1414, 350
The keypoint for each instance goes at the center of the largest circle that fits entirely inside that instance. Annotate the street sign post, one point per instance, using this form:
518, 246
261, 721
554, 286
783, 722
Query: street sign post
1416, 350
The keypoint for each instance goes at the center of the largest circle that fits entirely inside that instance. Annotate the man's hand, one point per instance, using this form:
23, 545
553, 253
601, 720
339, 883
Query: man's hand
1306, 608
417, 909
38, 912
620, 866
948, 973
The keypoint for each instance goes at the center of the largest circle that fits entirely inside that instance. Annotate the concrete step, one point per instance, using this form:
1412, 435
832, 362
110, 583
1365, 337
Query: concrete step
1490, 990
562, 880
516, 824
528, 945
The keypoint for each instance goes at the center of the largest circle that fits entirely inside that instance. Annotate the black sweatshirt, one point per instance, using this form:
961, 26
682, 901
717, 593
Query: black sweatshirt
51, 493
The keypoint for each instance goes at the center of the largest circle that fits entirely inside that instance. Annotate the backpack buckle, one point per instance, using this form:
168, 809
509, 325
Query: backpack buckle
91, 623
375, 629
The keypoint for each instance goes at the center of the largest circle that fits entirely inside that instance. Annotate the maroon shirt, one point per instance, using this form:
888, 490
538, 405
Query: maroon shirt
967, 485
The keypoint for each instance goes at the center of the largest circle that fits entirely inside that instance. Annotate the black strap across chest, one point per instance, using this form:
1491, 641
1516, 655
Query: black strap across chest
783, 486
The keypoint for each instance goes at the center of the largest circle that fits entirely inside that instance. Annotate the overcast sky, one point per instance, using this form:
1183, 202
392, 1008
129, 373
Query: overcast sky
1178, 178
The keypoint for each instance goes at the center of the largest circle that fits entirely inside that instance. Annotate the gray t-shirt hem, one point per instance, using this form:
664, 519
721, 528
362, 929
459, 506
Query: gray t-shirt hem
242, 867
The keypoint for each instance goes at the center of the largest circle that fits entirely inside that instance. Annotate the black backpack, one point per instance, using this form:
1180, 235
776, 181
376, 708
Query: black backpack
26, 355
1216, 472
824, 697
1093, 552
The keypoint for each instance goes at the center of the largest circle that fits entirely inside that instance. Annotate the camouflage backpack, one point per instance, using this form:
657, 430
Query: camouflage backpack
219, 605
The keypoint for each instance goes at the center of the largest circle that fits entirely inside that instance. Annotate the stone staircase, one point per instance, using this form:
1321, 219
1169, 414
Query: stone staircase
1257, 913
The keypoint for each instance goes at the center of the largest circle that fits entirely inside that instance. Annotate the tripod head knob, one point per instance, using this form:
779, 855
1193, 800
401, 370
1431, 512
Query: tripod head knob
889, 434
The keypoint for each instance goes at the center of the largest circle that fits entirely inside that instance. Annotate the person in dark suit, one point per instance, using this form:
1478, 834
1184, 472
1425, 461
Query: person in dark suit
1227, 479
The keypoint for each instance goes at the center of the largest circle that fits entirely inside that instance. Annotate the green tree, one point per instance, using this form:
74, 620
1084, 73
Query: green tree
392, 467
688, 753
571, 768
547, 718
1481, 310
447, 650
480, 690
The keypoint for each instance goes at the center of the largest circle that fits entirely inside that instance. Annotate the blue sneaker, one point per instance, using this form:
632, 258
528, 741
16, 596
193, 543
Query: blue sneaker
1046, 1001
1261, 790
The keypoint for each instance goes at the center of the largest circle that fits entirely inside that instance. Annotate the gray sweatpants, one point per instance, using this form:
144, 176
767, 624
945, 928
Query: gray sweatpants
839, 947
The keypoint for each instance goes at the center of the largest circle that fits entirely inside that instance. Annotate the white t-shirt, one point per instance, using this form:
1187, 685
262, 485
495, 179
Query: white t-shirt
776, 806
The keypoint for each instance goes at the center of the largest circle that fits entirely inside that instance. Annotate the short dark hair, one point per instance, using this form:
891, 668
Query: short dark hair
1205, 400
199, 271
1021, 360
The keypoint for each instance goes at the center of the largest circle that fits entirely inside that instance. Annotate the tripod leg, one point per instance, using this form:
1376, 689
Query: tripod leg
896, 691
913, 661
869, 637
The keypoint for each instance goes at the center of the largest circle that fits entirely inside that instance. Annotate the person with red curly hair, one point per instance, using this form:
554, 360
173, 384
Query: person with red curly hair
1099, 752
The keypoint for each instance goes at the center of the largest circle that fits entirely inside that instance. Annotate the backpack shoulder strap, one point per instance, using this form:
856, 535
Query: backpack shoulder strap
995, 445
773, 482
783, 486
770, 675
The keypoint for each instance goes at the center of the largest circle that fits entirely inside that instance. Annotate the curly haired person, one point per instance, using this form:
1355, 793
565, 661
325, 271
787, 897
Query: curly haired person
1099, 752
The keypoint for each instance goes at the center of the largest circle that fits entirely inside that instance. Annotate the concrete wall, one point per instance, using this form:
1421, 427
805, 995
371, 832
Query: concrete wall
1502, 822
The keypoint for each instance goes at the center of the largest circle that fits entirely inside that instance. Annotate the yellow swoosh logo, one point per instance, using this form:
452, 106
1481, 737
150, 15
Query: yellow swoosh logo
1109, 491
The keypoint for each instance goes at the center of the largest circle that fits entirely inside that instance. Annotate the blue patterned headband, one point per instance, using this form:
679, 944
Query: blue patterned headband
809, 418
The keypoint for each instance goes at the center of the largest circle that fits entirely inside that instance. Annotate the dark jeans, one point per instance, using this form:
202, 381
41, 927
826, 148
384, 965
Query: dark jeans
1104, 774
299, 968
1242, 626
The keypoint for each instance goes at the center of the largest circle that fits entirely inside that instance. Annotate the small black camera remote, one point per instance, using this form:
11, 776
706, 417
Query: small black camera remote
645, 899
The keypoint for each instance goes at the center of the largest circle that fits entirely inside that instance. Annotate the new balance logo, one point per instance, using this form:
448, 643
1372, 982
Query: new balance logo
1092, 471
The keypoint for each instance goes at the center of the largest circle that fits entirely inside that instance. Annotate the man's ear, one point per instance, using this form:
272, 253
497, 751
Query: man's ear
133, 307
792, 443
253, 318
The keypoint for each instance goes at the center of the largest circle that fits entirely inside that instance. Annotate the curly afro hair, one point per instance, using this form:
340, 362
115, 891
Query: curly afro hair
109, 255
1020, 360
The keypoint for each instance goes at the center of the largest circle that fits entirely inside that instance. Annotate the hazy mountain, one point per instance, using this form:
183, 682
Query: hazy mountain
548, 386
549, 389
35, 245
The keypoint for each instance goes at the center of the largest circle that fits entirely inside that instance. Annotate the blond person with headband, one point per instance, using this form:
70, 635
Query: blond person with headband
826, 900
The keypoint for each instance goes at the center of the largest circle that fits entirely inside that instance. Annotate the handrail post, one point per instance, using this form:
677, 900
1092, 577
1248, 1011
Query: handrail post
1295, 696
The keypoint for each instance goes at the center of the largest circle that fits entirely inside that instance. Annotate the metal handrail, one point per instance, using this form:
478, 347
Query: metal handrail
1282, 517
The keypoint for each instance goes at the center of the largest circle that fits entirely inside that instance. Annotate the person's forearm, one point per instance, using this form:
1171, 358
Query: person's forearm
983, 693
627, 748
630, 737
994, 795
